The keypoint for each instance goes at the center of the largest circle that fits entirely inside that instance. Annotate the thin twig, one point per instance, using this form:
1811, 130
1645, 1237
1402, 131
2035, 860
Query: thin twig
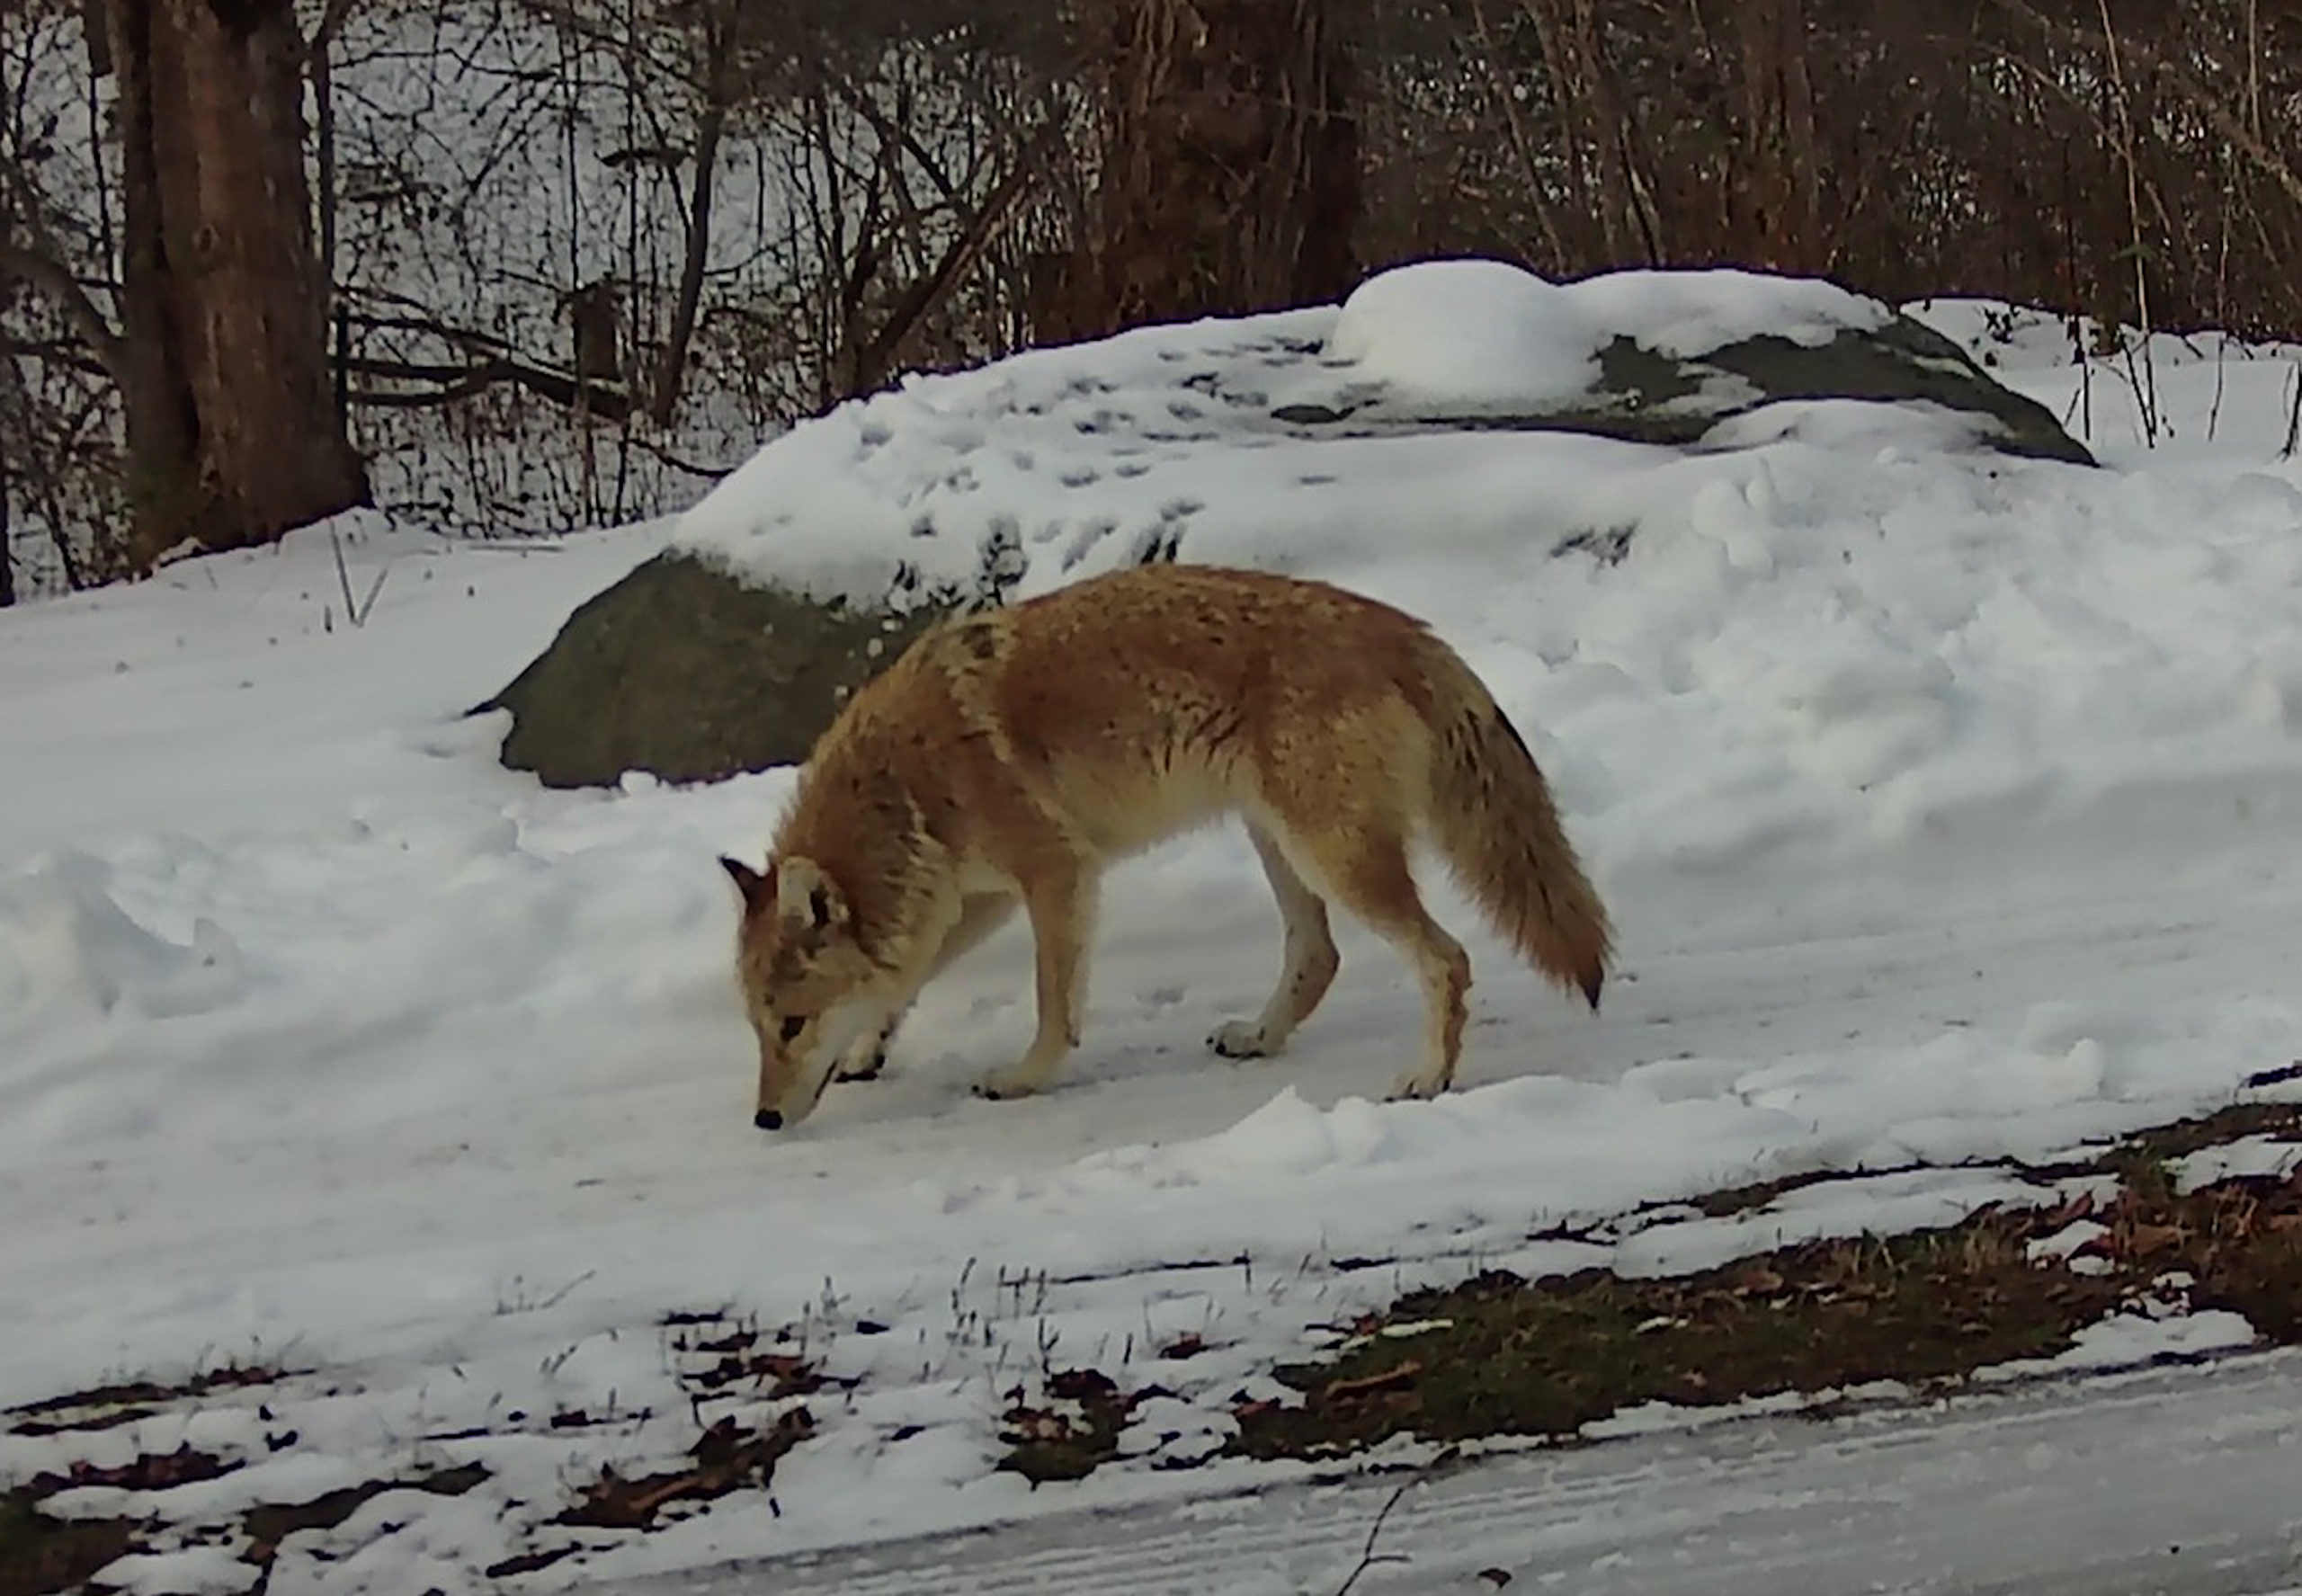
355, 612
1368, 1556
560, 1296
2146, 388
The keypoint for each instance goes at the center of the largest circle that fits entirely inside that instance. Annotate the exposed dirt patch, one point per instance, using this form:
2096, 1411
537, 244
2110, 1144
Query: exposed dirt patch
154, 1471
41, 1553
273, 1523
2280, 1121
720, 1360
715, 1355
1748, 1200
1500, 1354
721, 1363
104, 1406
1069, 1433
41, 1556
2240, 1239
528, 1562
727, 1457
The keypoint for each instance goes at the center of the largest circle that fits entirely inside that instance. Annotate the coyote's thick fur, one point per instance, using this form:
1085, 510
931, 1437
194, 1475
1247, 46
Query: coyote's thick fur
1007, 757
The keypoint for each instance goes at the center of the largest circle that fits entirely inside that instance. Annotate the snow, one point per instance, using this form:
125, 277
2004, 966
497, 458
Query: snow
1466, 330
1948, 805
1483, 333
2252, 1157
2127, 1340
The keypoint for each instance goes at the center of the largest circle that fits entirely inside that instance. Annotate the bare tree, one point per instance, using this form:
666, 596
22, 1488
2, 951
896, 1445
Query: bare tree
577, 256
718, 93
1229, 178
55, 393
234, 436
7, 527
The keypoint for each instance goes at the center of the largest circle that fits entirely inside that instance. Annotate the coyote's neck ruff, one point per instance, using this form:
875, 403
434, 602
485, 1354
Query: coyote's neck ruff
1007, 758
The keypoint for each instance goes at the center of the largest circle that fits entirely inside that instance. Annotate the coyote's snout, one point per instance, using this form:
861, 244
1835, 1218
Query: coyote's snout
1006, 758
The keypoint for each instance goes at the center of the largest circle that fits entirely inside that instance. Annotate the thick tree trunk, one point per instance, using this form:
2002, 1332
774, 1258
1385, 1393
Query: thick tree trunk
1775, 217
1230, 175
233, 434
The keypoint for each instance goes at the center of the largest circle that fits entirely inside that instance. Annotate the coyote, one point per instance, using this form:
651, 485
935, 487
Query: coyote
1009, 757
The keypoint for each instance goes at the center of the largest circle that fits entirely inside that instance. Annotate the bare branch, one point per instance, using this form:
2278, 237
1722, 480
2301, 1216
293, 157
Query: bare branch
55, 282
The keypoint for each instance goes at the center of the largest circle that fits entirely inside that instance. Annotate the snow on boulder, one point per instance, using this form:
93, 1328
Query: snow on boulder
1444, 406
1470, 332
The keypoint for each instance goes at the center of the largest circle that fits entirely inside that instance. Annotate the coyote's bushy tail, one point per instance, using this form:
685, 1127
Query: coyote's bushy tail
1494, 820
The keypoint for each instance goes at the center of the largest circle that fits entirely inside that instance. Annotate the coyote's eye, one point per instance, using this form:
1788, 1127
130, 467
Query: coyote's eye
793, 1024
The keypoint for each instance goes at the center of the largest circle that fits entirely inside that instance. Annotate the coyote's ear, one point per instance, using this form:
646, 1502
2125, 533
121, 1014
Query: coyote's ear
806, 898
757, 888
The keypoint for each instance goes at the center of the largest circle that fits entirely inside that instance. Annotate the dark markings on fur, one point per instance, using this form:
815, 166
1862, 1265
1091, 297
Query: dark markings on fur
978, 639
1511, 731
1218, 727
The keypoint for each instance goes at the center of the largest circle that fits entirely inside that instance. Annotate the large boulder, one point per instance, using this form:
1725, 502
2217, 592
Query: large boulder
683, 671
1644, 396
807, 570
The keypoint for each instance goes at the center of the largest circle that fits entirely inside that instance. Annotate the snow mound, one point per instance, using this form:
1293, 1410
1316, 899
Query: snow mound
1280, 440
1475, 330
1836, 625
1686, 313
1485, 332
69, 953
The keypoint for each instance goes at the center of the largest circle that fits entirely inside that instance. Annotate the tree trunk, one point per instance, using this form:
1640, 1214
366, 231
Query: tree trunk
233, 436
710, 127
1230, 173
1775, 210
7, 529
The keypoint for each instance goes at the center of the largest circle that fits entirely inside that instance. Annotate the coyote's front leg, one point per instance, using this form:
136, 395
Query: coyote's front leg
980, 915
1060, 905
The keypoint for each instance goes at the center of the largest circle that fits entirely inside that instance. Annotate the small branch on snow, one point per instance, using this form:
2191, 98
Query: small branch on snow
1368, 1556
357, 613
560, 1296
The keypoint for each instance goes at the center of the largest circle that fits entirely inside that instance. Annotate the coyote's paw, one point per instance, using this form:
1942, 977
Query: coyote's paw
865, 1066
1001, 1085
1240, 1038
1416, 1087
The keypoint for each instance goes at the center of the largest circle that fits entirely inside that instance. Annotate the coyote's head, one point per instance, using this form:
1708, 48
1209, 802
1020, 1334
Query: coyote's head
808, 985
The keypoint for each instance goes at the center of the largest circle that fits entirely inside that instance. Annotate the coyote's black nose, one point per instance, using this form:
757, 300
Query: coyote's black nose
768, 1120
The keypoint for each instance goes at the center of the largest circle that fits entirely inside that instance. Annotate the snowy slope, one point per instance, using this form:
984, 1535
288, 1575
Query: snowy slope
1948, 805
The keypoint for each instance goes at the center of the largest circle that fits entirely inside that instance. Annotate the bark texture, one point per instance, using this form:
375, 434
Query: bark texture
234, 432
1230, 179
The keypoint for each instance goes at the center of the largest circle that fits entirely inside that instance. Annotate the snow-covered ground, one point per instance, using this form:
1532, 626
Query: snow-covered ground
1949, 807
